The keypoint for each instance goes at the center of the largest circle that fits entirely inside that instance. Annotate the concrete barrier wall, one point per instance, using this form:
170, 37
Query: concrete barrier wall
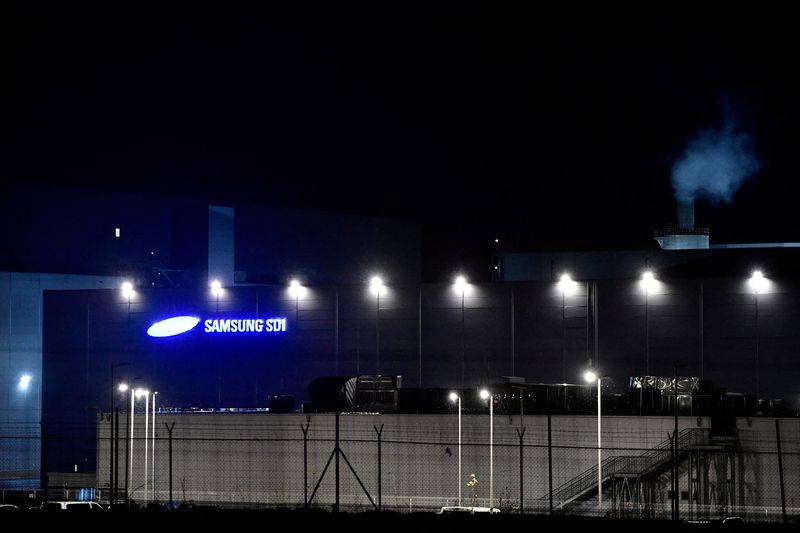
258, 458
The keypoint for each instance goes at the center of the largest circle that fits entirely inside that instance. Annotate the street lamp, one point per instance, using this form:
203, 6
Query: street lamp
486, 395
135, 394
591, 377
676, 502
127, 290
153, 452
454, 397
567, 287
759, 284
649, 284
296, 291
460, 285
112, 443
216, 291
122, 388
25, 383
377, 287
146, 443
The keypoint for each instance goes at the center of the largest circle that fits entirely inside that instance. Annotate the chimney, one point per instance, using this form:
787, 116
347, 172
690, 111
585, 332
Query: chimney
684, 235
686, 214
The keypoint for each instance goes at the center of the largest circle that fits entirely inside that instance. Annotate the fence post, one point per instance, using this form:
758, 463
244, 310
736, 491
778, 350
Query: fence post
550, 461
780, 468
169, 430
43, 462
521, 435
379, 432
305, 462
116, 455
673, 459
336, 450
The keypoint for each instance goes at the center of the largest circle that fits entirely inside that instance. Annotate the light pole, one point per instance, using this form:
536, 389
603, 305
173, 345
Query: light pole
136, 394
648, 284
146, 443
127, 293
153, 452
377, 287
122, 388
567, 286
129, 462
460, 285
216, 291
111, 484
591, 377
759, 284
676, 501
486, 395
24, 384
454, 397
296, 290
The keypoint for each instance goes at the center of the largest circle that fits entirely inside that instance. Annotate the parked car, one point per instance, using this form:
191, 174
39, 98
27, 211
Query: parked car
71, 506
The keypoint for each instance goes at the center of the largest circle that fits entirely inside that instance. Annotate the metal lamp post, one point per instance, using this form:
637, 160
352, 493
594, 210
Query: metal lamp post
454, 397
590, 377
216, 291
460, 286
486, 395
567, 286
377, 287
649, 284
136, 394
676, 501
121, 388
759, 284
111, 484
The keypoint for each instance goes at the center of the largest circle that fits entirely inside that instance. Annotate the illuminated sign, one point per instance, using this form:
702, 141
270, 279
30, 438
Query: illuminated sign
236, 325
173, 326
181, 324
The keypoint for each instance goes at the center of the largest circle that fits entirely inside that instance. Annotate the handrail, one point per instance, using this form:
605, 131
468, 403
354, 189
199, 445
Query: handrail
675, 230
626, 464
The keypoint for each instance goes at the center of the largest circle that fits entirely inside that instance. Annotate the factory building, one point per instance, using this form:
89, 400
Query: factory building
253, 340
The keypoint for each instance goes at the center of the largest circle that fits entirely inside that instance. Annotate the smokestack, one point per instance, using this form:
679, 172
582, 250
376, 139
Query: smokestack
684, 235
686, 214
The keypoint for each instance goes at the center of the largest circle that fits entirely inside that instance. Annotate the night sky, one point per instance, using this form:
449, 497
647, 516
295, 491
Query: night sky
549, 131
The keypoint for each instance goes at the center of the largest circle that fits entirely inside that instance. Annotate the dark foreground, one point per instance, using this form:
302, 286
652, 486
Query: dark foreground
226, 521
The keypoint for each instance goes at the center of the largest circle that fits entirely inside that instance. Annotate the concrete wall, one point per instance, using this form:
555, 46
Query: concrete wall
258, 458
757, 462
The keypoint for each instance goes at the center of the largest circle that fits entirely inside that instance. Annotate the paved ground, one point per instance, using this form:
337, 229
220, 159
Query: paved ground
286, 520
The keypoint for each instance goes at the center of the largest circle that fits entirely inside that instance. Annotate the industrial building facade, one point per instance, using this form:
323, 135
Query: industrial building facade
431, 335
255, 339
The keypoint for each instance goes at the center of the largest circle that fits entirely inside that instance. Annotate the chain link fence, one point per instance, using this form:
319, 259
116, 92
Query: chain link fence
533, 465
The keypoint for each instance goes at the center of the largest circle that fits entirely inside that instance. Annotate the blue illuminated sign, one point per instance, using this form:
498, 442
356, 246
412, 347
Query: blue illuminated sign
173, 326
181, 324
236, 325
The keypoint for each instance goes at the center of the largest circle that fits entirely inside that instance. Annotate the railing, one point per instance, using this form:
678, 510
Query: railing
636, 465
680, 231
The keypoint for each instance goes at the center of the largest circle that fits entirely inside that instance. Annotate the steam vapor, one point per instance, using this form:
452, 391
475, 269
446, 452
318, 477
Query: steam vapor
715, 163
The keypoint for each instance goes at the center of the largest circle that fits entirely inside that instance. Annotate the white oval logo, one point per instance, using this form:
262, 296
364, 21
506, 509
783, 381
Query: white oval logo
173, 326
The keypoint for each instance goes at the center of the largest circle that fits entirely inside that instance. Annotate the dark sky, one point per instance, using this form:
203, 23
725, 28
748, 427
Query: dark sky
547, 130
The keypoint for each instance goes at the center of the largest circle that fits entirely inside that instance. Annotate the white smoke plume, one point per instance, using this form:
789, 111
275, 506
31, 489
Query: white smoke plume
715, 163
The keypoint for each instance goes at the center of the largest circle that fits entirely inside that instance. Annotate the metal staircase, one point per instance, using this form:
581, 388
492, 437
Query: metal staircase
649, 462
